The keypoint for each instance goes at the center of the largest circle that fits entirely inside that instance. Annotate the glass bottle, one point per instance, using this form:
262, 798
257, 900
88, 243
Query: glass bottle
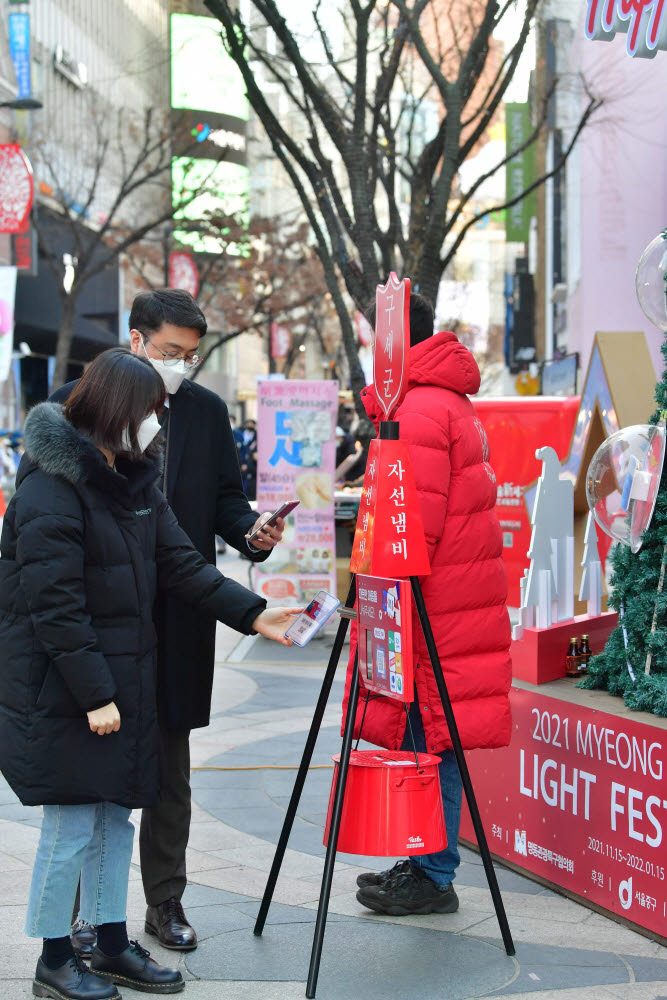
585, 653
573, 660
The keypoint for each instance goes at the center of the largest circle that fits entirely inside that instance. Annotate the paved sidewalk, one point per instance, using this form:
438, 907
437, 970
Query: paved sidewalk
263, 702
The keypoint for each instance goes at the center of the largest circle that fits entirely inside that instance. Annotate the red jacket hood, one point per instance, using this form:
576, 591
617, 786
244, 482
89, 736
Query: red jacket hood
442, 361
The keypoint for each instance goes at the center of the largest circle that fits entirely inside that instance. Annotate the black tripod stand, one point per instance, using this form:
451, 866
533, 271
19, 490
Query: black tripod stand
302, 773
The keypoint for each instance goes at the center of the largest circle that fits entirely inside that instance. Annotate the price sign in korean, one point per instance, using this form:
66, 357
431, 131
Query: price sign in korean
391, 352
384, 620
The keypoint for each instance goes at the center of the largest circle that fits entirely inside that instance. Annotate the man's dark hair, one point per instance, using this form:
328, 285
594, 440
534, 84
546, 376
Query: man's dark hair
119, 389
421, 318
166, 305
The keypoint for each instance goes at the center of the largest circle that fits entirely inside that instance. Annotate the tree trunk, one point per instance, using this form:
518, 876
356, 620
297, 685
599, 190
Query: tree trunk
64, 342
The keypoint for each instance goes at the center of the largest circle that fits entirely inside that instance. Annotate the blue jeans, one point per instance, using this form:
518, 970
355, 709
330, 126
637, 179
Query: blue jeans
92, 842
441, 866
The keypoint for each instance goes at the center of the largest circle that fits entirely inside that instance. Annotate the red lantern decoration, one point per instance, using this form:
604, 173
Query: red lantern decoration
16, 189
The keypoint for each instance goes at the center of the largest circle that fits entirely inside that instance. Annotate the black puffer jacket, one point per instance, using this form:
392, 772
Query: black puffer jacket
82, 552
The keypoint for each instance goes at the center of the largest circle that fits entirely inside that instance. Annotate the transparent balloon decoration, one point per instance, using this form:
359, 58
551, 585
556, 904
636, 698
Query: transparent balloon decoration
651, 281
623, 481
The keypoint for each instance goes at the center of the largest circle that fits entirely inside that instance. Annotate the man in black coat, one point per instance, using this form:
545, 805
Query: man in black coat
202, 482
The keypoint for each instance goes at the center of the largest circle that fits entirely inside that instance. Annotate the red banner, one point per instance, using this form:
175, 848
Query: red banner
16, 189
281, 340
391, 351
389, 537
579, 798
183, 273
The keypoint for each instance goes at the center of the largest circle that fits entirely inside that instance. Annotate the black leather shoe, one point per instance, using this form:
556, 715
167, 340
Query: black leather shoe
72, 981
135, 969
84, 938
169, 925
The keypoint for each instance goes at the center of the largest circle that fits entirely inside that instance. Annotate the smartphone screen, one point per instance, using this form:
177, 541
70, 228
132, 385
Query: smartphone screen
313, 618
283, 511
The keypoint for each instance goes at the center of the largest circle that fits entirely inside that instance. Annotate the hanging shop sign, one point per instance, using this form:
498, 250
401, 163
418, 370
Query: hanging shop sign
281, 341
296, 460
384, 621
16, 189
578, 798
183, 273
19, 47
643, 21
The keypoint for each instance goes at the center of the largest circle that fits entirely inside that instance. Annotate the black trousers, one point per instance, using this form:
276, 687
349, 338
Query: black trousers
165, 828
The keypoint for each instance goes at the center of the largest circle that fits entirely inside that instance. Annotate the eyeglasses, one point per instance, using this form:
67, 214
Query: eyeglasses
172, 359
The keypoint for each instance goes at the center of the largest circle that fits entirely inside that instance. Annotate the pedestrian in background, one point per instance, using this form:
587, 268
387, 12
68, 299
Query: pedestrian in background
202, 482
86, 541
465, 595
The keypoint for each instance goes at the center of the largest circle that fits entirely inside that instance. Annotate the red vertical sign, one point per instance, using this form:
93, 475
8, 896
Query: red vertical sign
391, 352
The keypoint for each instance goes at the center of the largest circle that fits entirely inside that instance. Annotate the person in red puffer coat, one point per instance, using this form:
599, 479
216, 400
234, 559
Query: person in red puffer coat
465, 595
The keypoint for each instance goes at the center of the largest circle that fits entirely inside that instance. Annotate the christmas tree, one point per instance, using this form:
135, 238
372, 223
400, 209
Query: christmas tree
634, 661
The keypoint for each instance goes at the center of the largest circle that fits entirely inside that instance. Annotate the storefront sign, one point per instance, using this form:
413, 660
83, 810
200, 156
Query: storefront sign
384, 610
16, 189
19, 46
520, 172
7, 300
643, 21
579, 798
296, 461
183, 273
391, 350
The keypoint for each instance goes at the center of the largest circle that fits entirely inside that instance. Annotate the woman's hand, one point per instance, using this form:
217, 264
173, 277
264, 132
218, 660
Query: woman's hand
273, 622
104, 720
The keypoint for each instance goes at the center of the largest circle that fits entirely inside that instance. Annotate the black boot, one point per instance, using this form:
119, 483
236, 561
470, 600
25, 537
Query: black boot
71, 981
168, 923
135, 969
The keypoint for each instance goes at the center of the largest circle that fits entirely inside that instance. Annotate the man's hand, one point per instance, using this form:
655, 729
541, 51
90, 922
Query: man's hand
104, 720
270, 536
272, 623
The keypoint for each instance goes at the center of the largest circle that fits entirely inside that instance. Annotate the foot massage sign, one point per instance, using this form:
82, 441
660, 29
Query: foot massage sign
296, 460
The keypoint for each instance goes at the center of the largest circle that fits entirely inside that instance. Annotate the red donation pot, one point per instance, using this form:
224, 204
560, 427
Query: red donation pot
390, 808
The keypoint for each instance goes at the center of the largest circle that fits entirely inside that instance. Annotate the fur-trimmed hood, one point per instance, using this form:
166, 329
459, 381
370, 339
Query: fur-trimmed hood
55, 446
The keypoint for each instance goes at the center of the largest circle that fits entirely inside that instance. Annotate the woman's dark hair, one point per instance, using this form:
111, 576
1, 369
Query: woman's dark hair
166, 305
421, 318
119, 389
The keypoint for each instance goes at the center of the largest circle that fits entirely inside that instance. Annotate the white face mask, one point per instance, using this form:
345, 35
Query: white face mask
147, 430
171, 375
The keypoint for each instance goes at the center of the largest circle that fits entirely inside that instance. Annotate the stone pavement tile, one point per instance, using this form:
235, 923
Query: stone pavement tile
16, 837
12, 920
648, 969
545, 906
563, 933
296, 864
19, 961
206, 990
14, 886
343, 883
201, 861
15, 989
508, 881
252, 882
19, 813
359, 959
200, 815
546, 968
231, 799
9, 863
204, 895
224, 779
206, 836
639, 991
279, 913
634, 991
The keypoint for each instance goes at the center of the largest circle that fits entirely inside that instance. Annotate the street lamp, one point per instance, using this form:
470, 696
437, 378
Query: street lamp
22, 104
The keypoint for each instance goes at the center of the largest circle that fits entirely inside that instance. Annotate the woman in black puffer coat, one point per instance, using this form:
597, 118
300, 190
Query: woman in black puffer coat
86, 540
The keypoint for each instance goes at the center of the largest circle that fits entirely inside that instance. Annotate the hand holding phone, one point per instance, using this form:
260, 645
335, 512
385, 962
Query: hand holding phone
312, 619
282, 511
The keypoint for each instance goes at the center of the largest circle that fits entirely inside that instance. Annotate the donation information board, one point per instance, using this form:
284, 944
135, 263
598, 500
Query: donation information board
580, 798
384, 620
296, 460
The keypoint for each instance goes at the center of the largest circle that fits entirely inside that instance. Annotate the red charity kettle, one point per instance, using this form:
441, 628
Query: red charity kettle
391, 808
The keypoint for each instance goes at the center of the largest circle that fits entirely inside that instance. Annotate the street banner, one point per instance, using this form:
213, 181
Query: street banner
391, 351
183, 272
520, 172
16, 189
19, 47
281, 341
579, 798
389, 537
296, 460
384, 621
7, 301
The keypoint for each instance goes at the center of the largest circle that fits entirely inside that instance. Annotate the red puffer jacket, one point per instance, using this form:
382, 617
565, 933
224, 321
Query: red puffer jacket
466, 592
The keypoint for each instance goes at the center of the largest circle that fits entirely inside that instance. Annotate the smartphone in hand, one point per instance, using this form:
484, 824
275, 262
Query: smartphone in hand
282, 511
313, 618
